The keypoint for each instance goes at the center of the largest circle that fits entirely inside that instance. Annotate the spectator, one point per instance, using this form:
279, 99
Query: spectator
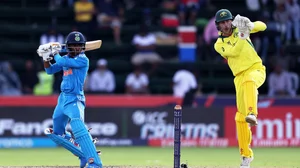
280, 16
84, 14
184, 82
295, 81
146, 7
54, 4
279, 2
10, 84
280, 83
51, 36
110, 13
274, 33
293, 11
210, 36
129, 4
28, 78
189, 7
145, 44
137, 82
169, 4
45, 84
101, 79
253, 5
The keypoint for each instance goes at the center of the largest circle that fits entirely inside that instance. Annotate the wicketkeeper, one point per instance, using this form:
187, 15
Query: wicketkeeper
236, 47
71, 102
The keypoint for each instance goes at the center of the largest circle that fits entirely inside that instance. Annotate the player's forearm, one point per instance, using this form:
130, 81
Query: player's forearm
259, 26
47, 64
49, 70
233, 51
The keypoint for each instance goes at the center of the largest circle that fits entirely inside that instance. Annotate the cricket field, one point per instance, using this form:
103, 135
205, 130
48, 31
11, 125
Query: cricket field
146, 157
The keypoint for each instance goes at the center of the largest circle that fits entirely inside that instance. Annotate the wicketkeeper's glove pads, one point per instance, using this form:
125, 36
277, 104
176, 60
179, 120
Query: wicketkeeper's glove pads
244, 26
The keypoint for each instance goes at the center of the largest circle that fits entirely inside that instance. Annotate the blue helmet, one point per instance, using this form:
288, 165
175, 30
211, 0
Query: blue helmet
75, 38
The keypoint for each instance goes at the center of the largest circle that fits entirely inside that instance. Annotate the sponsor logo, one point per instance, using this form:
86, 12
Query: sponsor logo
68, 72
287, 127
22, 128
114, 142
103, 129
223, 14
17, 128
155, 125
278, 126
26, 142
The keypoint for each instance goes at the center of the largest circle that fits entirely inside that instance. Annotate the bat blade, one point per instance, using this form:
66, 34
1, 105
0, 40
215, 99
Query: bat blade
93, 45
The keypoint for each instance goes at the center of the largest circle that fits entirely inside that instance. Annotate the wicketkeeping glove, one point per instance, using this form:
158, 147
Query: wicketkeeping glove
244, 26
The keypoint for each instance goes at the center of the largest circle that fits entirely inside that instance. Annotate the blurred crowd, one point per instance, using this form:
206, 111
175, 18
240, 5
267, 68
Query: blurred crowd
281, 16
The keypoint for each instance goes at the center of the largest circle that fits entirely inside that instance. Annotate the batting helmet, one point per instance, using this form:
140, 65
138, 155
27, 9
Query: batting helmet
75, 38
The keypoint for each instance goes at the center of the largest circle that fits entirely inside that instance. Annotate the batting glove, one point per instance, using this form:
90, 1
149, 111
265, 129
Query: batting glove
55, 48
44, 51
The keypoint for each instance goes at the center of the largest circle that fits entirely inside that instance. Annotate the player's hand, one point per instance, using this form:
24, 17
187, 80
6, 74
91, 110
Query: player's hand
244, 26
45, 48
47, 57
242, 22
55, 48
44, 51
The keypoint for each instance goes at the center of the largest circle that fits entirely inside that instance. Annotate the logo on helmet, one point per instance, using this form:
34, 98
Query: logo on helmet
77, 37
223, 14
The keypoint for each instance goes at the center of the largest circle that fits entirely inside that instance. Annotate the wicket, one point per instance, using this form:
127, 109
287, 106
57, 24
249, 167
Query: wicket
177, 135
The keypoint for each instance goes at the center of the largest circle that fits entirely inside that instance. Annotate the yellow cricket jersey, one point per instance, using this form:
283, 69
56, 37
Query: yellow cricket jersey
239, 53
83, 7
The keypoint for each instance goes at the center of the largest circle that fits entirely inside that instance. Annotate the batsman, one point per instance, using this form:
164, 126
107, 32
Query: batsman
71, 101
248, 70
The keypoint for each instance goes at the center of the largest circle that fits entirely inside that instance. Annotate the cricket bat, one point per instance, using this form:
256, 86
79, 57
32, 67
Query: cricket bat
93, 45
89, 45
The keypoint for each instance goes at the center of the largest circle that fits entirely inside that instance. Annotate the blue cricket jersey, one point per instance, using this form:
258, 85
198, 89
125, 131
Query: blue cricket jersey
74, 73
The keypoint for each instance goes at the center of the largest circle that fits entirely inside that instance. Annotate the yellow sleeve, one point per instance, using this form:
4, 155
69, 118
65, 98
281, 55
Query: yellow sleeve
258, 26
229, 51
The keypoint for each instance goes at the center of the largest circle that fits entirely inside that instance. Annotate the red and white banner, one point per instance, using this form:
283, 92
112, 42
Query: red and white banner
224, 142
191, 142
277, 126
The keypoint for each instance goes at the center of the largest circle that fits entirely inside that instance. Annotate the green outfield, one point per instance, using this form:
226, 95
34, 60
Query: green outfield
153, 157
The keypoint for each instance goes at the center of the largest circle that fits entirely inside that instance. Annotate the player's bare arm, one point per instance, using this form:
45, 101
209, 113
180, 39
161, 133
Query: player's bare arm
47, 64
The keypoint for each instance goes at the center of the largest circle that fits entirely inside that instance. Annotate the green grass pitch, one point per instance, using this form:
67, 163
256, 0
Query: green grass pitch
153, 157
